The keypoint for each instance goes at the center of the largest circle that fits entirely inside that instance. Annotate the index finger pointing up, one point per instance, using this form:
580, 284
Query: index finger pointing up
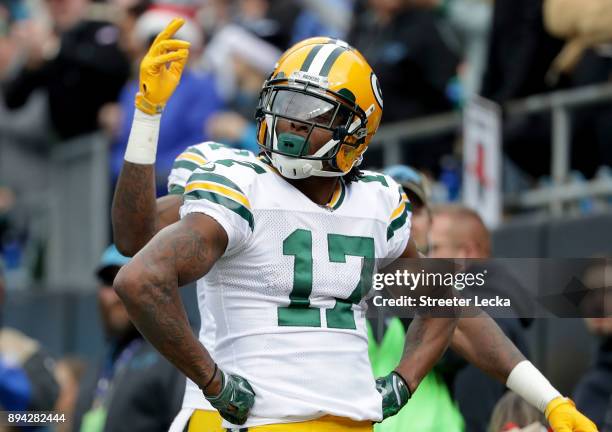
170, 29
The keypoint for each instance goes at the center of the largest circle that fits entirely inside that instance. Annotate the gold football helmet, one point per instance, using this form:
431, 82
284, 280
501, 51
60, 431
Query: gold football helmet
324, 88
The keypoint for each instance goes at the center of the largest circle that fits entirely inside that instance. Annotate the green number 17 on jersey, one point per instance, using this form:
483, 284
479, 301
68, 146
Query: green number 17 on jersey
299, 312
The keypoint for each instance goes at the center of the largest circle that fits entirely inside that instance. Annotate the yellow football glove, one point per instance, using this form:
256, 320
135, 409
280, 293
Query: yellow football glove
157, 80
563, 416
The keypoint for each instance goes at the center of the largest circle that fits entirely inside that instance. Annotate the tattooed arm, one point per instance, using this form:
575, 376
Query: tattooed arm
148, 286
136, 215
481, 342
427, 338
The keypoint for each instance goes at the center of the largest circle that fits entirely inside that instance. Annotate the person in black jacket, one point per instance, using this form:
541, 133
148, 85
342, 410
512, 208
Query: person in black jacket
412, 62
133, 388
86, 69
519, 56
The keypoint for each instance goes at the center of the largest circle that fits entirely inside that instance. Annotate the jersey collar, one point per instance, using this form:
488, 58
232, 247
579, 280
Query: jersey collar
337, 197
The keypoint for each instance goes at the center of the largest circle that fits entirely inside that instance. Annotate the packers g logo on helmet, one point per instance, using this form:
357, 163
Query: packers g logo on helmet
322, 85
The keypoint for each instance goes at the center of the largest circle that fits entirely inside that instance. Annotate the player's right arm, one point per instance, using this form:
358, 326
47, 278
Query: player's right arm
136, 213
178, 254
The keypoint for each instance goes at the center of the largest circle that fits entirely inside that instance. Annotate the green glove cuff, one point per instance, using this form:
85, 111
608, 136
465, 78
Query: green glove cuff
395, 393
235, 400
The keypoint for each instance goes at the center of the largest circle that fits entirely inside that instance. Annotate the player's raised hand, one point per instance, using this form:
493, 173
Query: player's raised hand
563, 416
161, 69
235, 400
395, 393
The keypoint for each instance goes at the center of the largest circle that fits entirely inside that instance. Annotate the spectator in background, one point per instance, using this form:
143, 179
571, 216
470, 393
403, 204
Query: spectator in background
21, 22
244, 61
27, 382
186, 114
68, 372
213, 15
513, 414
519, 56
586, 58
594, 391
322, 18
271, 20
458, 232
416, 188
285, 23
470, 23
133, 388
414, 66
78, 64
412, 62
520, 51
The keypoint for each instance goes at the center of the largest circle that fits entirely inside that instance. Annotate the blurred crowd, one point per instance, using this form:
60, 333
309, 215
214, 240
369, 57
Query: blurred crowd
77, 60
68, 68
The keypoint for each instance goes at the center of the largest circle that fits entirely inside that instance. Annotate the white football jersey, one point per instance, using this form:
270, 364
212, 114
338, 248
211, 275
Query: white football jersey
184, 165
287, 295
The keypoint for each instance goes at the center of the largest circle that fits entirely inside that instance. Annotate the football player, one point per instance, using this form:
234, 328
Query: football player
286, 246
137, 216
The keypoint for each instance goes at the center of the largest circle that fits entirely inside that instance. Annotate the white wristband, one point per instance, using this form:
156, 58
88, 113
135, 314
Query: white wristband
529, 383
142, 144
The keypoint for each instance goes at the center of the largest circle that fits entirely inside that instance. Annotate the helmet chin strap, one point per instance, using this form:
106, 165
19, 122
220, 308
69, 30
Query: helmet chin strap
297, 169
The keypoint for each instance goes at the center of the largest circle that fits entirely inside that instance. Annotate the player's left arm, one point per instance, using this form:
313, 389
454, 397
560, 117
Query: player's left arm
479, 340
427, 339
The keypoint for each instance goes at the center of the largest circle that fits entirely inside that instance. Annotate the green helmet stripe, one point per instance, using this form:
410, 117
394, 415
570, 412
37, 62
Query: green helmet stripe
310, 57
331, 59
